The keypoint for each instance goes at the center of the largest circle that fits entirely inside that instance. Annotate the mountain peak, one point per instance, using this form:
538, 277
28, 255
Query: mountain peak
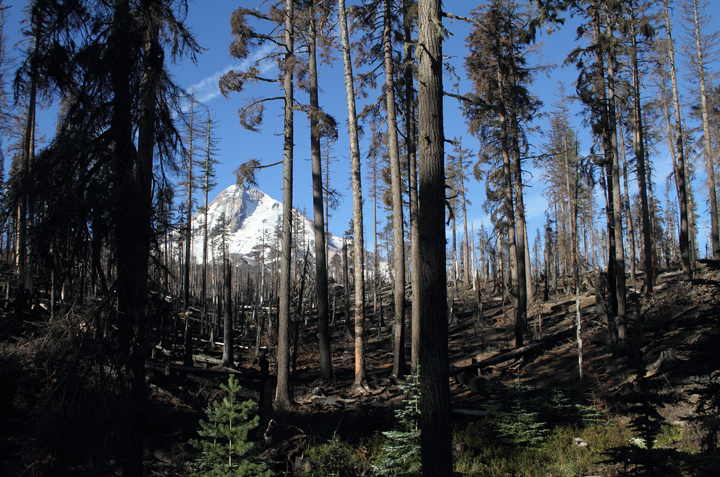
250, 214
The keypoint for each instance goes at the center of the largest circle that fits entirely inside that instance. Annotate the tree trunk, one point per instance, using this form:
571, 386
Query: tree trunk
639, 150
283, 398
434, 361
321, 284
709, 162
410, 136
27, 158
357, 206
626, 208
133, 230
228, 332
511, 232
463, 203
453, 231
616, 198
377, 302
571, 195
521, 247
399, 364
346, 285
680, 169
188, 208
606, 179
206, 190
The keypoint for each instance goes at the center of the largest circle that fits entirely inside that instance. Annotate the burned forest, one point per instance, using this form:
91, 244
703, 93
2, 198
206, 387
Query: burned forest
362, 238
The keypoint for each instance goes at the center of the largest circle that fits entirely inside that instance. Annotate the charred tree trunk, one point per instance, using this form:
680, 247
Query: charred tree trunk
321, 283
434, 361
228, 330
283, 398
399, 363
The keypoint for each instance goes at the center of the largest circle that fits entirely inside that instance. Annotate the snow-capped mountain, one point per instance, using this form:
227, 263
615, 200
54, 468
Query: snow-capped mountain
249, 213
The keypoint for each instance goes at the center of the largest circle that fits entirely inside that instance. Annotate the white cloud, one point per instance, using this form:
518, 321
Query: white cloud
207, 89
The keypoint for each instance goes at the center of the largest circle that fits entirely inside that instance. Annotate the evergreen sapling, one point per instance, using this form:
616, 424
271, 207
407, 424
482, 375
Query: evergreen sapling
401, 451
224, 444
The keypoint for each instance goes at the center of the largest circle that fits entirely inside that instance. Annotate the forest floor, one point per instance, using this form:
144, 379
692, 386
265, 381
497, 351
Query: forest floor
670, 351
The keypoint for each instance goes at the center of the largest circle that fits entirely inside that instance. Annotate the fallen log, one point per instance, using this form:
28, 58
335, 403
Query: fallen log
174, 368
206, 359
545, 342
551, 308
709, 263
663, 324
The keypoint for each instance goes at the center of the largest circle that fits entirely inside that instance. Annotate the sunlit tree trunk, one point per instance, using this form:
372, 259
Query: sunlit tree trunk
680, 177
709, 161
410, 133
399, 363
283, 399
357, 207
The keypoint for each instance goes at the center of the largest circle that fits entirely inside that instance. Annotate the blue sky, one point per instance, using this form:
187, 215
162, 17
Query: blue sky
211, 25
210, 21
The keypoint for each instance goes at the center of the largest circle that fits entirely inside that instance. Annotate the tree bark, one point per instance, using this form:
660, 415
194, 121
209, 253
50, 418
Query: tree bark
639, 150
709, 162
521, 246
321, 284
188, 207
358, 245
346, 286
606, 178
283, 398
133, 171
626, 208
228, 332
399, 363
680, 178
616, 198
434, 362
410, 135
27, 158
511, 232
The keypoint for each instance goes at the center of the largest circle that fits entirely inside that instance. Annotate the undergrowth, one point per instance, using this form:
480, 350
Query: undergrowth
531, 435
485, 454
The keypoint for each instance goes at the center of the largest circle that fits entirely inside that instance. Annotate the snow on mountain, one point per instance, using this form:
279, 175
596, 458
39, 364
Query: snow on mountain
249, 212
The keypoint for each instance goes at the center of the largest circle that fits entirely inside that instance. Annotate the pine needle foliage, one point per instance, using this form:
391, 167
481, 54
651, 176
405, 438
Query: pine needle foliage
225, 446
523, 425
560, 410
400, 454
